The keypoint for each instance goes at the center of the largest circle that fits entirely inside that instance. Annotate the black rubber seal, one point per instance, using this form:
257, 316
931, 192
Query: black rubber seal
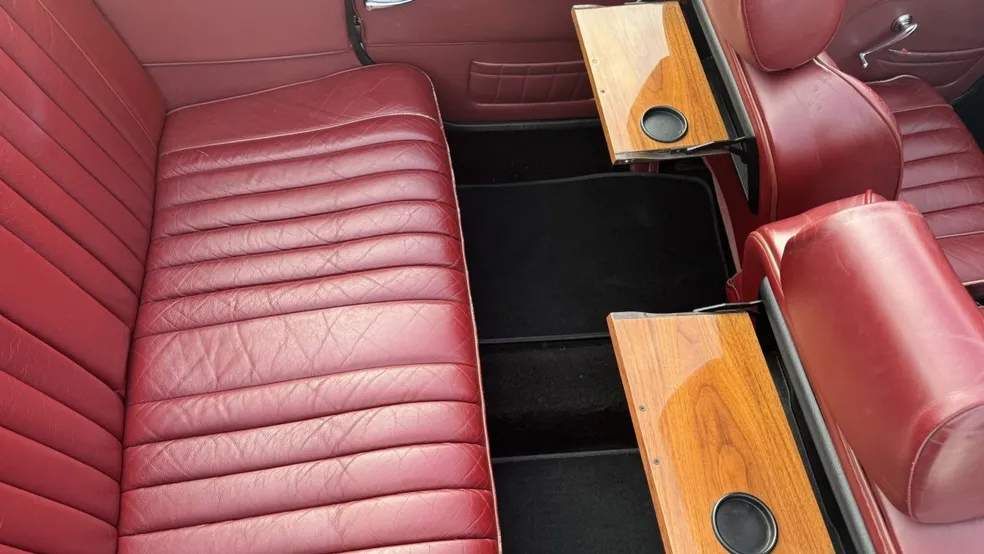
815, 423
759, 521
354, 25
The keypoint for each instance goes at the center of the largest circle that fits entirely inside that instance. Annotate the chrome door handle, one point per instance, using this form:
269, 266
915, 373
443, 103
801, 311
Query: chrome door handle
903, 26
380, 4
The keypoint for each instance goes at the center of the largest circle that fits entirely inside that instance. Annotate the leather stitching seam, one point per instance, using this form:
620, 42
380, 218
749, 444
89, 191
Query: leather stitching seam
292, 281
336, 153
939, 183
305, 248
339, 182
285, 382
409, 493
116, 93
284, 423
424, 301
85, 132
342, 212
366, 68
959, 235
975, 151
302, 132
923, 108
60, 503
303, 463
86, 464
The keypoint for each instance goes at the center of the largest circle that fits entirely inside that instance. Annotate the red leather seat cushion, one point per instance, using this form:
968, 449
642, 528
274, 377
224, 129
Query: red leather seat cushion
944, 171
304, 372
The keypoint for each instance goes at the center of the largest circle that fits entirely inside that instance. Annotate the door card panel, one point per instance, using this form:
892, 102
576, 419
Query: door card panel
482, 53
515, 83
946, 50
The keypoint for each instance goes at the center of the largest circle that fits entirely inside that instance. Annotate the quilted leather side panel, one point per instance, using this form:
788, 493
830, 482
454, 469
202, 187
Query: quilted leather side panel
530, 83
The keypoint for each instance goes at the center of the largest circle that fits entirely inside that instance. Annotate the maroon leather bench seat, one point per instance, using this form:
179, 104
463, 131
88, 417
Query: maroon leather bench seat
244, 326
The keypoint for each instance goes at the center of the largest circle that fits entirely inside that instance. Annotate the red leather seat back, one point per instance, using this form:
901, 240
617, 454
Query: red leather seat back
894, 348
79, 128
822, 135
825, 136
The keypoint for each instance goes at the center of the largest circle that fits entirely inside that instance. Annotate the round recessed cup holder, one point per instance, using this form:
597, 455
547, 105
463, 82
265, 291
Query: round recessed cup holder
664, 124
743, 524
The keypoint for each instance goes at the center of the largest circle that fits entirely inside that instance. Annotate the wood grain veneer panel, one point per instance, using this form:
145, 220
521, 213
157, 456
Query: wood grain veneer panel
704, 406
640, 56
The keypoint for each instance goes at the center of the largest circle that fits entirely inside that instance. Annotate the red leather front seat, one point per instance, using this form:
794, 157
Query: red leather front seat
892, 344
821, 134
824, 136
243, 326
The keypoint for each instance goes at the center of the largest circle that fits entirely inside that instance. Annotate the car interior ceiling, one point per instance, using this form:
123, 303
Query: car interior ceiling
555, 236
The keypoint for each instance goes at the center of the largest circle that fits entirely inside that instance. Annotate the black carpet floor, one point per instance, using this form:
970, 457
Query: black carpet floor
484, 155
970, 107
554, 397
548, 261
595, 504
556, 257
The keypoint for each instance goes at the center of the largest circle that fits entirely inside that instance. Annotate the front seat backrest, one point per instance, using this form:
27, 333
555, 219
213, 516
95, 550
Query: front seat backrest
822, 135
892, 344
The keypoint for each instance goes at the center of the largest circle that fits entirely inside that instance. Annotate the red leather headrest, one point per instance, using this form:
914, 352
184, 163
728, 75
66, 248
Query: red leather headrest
894, 347
776, 34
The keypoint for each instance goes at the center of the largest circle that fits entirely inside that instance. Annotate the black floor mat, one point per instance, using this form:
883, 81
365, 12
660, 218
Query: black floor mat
484, 154
970, 107
554, 397
556, 257
596, 504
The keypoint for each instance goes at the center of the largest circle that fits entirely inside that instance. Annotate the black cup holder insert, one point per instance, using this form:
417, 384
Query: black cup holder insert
664, 124
743, 524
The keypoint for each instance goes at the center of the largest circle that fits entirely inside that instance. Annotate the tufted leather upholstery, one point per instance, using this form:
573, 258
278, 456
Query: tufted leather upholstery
944, 171
279, 314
